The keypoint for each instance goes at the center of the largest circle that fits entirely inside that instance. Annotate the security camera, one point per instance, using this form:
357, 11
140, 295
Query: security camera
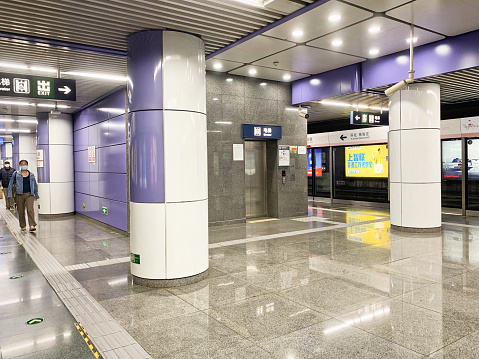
303, 113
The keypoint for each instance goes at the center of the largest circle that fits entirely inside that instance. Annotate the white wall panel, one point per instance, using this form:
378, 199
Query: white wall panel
61, 163
60, 130
420, 106
9, 150
147, 238
187, 245
184, 84
395, 204
420, 156
62, 198
421, 205
44, 201
186, 177
394, 154
395, 111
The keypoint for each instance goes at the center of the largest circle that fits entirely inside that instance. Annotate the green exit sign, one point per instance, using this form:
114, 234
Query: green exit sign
104, 210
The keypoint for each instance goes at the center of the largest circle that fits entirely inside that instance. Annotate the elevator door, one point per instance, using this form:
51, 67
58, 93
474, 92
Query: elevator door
255, 178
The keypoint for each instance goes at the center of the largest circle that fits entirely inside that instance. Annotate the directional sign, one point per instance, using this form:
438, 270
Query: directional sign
135, 258
16, 276
104, 210
370, 119
27, 86
265, 132
34, 321
343, 137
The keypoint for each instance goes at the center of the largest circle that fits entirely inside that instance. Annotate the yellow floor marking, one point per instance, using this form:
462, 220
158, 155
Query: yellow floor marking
11, 230
264, 220
11, 245
87, 340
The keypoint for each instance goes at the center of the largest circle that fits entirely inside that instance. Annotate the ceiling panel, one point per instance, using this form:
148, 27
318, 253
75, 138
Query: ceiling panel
378, 5
449, 17
254, 49
267, 73
358, 40
316, 23
308, 60
225, 65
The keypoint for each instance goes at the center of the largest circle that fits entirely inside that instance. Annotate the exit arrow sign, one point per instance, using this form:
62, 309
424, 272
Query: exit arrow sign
343, 137
65, 89
16, 276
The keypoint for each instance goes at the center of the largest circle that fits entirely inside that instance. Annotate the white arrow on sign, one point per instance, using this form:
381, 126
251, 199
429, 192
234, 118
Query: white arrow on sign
65, 89
357, 117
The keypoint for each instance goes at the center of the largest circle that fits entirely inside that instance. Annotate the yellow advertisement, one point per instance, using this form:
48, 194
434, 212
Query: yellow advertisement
367, 161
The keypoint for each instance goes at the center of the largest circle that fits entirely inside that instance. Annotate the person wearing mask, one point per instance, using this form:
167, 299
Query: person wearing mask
6, 174
26, 192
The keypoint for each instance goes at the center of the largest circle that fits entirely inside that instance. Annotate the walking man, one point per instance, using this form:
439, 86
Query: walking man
5, 174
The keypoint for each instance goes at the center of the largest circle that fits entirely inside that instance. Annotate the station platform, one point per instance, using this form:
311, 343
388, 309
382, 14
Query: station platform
337, 283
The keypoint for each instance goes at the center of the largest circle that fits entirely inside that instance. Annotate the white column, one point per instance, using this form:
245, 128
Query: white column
27, 150
57, 190
415, 157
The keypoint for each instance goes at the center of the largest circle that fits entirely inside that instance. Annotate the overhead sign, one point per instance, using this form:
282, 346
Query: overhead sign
27, 86
262, 132
367, 118
367, 161
361, 136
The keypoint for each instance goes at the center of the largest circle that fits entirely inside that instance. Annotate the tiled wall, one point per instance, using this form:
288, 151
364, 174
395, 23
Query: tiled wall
240, 101
103, 183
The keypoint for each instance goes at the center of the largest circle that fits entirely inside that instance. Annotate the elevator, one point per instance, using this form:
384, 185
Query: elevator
255, 179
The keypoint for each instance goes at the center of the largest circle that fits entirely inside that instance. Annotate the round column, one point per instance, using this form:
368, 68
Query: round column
168, 158
55, 166
415, 158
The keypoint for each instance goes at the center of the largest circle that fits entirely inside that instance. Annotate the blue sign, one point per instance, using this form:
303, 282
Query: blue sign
2, 141
263, 132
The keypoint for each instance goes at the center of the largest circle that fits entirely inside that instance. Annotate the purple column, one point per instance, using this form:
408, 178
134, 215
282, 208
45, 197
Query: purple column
43, 144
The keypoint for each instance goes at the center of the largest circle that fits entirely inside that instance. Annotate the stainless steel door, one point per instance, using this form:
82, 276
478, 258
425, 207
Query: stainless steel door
255, 178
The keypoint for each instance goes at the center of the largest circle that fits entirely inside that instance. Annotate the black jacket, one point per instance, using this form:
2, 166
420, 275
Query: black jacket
5, 175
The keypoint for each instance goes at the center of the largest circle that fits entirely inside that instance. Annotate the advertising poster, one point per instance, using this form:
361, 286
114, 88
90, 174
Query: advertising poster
369, 161
318, 171
451, 159
376, 234
310, 162
473, 158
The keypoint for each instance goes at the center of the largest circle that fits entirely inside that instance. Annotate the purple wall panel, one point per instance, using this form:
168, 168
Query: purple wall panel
80, 140
116, 130
144, 67
82, 182
42, 128
111, 186
147, 180
112, 159
43, 173
331, 83
448, 55
102, 125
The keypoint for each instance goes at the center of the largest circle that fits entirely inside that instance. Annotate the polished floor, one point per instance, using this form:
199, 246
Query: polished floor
337, 283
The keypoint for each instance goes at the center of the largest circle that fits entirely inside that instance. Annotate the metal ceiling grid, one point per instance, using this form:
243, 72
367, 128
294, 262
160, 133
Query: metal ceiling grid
108, 23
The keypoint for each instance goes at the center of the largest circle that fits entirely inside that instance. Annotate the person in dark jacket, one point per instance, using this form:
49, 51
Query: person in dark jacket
5, 174
26, 193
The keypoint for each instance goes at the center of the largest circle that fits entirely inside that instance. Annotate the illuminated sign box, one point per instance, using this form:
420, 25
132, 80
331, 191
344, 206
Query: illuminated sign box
369, 161
263, 132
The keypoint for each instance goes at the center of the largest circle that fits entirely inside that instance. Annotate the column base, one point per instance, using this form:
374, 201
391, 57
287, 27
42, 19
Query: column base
169, 283
416, 230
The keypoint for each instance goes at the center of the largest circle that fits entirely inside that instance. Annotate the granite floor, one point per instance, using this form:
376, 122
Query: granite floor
337, 283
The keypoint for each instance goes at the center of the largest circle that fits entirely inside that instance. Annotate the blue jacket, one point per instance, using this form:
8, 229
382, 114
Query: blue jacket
18, 178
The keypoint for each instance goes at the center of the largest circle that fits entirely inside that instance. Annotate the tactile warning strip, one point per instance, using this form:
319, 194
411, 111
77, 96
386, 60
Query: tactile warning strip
88, 341
109, 337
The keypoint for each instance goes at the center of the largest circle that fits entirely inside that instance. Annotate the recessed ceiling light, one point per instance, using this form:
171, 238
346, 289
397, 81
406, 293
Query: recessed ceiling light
223, 122
229, 79
252, 72
263, 84
334, 18
218, 66
373, 52
315, 82
215, 98
27, 121
298, 33
374, 29
414, 40
337, 42
287, 77
6, 120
